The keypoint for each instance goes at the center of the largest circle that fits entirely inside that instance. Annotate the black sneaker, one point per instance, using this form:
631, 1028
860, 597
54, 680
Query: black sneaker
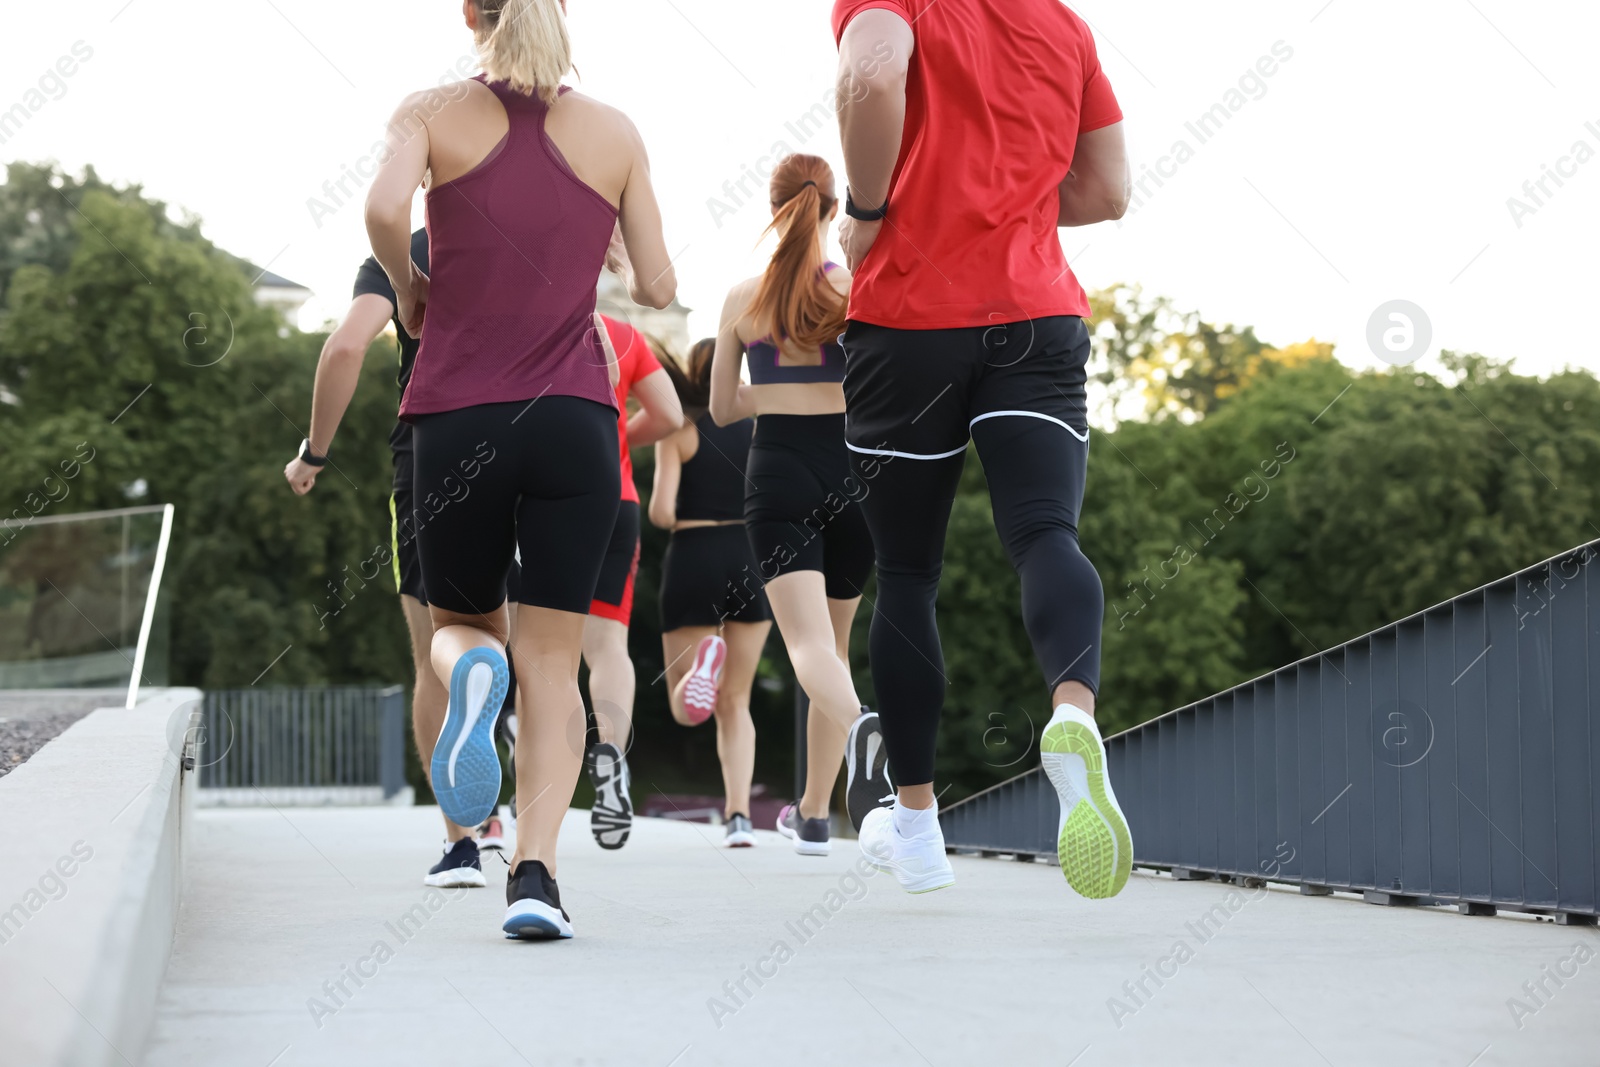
458, 868
866, 769
534, 911
810, 836
611, 818
740, 834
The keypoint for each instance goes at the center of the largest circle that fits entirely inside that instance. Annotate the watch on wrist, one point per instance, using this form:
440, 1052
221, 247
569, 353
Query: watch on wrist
862, 214
309, 457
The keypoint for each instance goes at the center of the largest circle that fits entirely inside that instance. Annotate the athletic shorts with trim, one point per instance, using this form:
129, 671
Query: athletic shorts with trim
402, 524
613, 596
915, 394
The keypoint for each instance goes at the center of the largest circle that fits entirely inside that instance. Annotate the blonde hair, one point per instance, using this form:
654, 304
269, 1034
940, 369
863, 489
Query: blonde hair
525, 44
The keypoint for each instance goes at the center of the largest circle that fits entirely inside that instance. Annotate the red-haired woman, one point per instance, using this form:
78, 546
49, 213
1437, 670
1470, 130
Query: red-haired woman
802, 501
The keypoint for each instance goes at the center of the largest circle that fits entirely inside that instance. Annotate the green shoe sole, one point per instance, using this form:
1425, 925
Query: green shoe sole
1094, 848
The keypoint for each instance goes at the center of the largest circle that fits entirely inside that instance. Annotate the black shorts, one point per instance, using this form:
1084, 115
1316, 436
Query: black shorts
802, 508
708, 577
541, 478
613, 596
914, 394
402, 526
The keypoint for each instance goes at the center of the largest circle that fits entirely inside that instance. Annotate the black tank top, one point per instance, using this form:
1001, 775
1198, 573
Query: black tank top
712, 485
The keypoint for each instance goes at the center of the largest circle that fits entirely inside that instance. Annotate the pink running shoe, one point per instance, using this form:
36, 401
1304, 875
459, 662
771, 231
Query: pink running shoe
700, 690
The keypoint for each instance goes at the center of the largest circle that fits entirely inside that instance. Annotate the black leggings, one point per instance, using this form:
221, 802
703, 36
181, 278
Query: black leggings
493, 479
1036, 471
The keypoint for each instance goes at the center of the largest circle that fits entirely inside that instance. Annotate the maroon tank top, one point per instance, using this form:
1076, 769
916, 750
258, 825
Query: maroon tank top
516, 248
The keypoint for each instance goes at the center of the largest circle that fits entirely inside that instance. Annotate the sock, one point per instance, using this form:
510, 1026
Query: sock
912, 822
1065, 710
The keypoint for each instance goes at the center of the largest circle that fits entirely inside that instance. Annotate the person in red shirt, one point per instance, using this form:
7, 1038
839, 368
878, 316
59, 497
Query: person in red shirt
605, 635
972, 131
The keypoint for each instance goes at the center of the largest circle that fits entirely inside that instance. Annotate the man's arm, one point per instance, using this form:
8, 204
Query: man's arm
1100, 182
338, 371
874, 57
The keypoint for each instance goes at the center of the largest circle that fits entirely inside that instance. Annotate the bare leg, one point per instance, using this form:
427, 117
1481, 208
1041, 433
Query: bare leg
736, 731
805, 619
611, 678
548, 647
429, 697
1075, 693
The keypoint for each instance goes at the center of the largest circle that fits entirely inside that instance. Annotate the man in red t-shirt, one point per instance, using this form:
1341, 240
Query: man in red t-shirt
973, 130
605, 636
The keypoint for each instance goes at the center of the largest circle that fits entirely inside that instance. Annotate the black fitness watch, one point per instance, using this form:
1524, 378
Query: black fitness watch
310, 458
861, 214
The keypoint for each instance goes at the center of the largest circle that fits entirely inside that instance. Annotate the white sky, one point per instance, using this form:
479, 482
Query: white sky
1377, 165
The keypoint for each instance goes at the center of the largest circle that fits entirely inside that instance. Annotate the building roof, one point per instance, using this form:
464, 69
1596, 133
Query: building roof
268, 280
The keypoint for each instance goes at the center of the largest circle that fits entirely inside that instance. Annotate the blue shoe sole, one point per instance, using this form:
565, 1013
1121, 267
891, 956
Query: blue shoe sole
533, 928
530, 925
470, 796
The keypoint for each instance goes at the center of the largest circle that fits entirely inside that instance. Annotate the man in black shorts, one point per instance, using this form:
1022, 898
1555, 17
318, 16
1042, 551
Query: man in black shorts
970, 135
338, 370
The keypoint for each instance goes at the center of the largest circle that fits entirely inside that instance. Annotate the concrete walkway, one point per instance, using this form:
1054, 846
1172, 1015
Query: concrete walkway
1007, 967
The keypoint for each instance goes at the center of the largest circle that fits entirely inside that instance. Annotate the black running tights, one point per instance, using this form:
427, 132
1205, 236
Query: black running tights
1035, 469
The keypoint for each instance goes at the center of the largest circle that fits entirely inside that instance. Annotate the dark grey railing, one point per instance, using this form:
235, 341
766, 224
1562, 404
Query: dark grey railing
339, 736
1449, 757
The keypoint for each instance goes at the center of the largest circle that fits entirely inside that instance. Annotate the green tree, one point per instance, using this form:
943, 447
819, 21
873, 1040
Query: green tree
146, 343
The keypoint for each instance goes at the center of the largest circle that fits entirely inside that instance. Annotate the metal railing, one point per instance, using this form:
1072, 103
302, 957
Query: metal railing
1446, 758
347, 742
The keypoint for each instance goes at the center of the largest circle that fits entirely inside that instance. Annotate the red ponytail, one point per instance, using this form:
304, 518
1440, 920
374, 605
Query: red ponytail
794, 295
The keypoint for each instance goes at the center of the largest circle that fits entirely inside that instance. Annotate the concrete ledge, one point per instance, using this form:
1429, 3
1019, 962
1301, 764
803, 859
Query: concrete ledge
91, 831
312, 796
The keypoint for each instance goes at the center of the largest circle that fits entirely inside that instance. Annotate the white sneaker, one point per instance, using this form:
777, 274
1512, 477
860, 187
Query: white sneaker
918, 863
1093, 845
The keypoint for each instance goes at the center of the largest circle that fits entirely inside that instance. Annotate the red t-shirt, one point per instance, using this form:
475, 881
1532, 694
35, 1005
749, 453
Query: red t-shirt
996, 96
635, 362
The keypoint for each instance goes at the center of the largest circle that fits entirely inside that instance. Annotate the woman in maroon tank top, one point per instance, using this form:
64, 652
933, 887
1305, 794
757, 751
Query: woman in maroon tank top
532, 188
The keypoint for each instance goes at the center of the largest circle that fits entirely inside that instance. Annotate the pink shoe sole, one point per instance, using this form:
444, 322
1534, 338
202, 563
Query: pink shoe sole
700, 693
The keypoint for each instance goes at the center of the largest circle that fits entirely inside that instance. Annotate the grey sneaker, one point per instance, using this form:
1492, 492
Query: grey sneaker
810, 836
740, 833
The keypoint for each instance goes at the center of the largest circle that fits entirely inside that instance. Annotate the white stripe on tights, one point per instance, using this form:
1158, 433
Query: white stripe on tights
904, 455
1084, 436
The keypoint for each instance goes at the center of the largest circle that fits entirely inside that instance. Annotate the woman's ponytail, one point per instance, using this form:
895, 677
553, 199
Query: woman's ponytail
794, 296
525, 44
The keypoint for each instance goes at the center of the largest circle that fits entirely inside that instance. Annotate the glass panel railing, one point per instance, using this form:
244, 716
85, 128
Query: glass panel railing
79, 600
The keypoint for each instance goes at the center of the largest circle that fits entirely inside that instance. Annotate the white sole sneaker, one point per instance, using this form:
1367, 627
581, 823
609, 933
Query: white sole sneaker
459, 878
1093, 844
866, 769
919, 864
534, 920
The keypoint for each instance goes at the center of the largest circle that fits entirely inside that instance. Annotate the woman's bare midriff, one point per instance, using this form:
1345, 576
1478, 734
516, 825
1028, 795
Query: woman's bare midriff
799, 398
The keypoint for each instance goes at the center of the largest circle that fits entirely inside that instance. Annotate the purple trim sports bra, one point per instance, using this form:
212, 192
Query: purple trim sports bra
765, 369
